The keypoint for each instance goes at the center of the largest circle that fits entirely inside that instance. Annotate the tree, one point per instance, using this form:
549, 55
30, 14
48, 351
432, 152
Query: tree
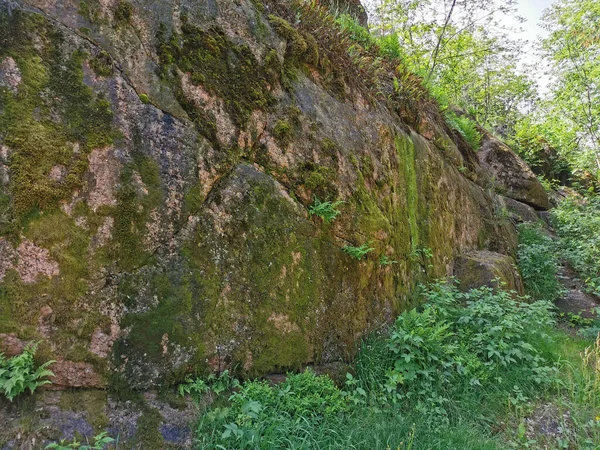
573, 50
463, 53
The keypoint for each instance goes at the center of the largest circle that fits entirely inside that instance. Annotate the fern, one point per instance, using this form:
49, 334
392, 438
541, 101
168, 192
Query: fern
18, 374
466, 127
357, 252
325, 210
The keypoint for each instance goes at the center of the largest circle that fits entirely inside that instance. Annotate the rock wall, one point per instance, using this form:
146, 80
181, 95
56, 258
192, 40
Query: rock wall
157, 163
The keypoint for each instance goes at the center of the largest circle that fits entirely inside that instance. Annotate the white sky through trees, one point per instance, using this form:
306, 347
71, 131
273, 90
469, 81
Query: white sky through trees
531, 11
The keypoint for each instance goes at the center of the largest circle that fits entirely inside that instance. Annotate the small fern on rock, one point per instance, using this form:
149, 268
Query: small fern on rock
357, 252
17, 374
328, 211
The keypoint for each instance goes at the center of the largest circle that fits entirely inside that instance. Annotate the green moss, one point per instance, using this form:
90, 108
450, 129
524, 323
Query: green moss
147, 433
53, 110
320, 180
92, 402
282, 132
134, 205
144, 98
224, 69
312, 50
280, 351
330, 147
102, 64
90, 11
297, 45
406, 153
123, 14
193, 199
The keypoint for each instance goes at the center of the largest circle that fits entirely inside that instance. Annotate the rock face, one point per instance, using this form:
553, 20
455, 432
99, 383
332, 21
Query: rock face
160, 159
510, 174
484, 268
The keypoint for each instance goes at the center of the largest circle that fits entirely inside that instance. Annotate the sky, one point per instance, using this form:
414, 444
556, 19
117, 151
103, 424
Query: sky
531, 11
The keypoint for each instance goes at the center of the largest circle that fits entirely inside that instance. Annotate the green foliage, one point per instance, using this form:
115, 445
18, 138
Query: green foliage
102, 64
462, 339
328, 211
385, 260
216, 384
264, 416
577, 222
442, 377
466, 127
123, 13
462, 51
358, 252
144, 98
572, 49
17, 374
586, 326
538, 264
101, 442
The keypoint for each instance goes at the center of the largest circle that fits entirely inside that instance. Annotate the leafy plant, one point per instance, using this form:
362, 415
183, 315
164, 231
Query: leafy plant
101, 441
358, 252
17, 374
538, 263
216, 384
466, 127
577, 223
259, 413
384, 260
328, 211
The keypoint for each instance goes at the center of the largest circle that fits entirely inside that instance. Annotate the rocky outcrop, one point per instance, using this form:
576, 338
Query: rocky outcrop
509, 174
160, 161
484, 268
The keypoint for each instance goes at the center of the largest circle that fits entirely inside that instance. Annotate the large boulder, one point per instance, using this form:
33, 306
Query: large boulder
484, 268
509, 174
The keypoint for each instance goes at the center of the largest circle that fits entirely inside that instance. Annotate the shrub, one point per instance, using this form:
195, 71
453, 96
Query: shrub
327, 211
577, 222
466, 127
357, 252
456, 341
538, 263
17, 374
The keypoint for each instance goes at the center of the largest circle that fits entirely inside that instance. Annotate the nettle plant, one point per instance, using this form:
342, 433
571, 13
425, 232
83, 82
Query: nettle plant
328, 211
18, 374
458, 341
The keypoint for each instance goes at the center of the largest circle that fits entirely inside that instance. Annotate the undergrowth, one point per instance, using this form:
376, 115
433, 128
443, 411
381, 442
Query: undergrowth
538, 263
443, 377
577, 222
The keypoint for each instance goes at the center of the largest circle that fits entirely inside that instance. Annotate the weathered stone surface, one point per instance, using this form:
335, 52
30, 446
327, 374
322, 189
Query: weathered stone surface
149, 422
160, 195
519, 212
510, 175
484, 268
